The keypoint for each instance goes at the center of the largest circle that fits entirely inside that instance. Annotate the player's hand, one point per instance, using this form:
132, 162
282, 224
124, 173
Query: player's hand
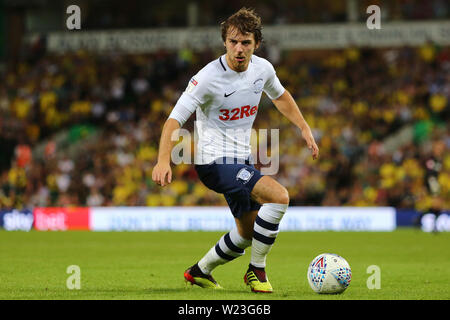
162, 174
311, 143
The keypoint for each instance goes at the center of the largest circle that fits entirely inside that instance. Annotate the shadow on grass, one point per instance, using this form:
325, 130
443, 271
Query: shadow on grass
182, 292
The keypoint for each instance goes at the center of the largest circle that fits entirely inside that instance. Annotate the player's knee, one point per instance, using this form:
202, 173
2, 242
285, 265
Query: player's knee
270, 191
284, 196
281, 196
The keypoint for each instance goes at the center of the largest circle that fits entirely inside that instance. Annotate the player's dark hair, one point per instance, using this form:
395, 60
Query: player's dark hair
245, 21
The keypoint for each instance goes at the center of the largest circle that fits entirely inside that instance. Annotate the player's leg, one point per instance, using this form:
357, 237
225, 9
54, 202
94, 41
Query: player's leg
274, 200
229, 247
235, 181
268, 190
245, 224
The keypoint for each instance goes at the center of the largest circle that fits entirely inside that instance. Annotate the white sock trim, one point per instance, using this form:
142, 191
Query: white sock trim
272, 212
211, 259
238, 240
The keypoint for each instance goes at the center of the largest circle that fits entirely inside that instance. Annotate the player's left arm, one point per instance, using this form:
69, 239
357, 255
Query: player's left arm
289, 108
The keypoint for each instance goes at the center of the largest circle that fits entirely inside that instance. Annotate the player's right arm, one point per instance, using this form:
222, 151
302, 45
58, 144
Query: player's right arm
195, 95
162, 173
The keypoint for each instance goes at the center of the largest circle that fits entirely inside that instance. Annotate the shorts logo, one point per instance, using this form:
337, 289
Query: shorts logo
244, 175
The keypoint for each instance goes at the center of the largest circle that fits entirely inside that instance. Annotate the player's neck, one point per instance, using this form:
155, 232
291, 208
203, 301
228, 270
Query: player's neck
230, 65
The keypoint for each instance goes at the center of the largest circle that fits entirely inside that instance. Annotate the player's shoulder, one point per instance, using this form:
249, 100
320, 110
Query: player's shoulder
262, 62
207, 80
211, 71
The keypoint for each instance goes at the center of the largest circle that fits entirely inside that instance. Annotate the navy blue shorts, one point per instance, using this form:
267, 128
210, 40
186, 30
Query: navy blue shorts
234, 179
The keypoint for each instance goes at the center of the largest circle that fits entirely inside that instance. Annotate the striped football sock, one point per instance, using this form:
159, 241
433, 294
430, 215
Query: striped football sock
229, 247
265, 231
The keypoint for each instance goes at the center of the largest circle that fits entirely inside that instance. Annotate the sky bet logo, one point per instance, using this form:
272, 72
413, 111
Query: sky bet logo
16, 220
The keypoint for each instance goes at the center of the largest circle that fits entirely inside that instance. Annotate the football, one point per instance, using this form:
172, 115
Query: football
329, 273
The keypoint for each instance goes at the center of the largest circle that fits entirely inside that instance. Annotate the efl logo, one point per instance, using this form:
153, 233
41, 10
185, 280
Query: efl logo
191, 85
319, 263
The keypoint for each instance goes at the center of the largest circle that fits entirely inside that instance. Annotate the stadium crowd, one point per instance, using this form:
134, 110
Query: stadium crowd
356, 100
144, 14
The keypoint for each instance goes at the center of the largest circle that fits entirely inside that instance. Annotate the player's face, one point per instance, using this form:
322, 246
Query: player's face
240, 48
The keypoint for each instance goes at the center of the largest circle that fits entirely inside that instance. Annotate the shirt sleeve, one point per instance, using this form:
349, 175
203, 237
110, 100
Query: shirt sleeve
273, 87
195, 95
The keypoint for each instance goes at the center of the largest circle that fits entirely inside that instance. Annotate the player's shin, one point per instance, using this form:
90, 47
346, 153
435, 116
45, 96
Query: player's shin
229, 247
265, 231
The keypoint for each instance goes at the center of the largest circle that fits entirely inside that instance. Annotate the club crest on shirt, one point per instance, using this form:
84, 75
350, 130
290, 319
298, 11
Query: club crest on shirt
258, 85
244, 175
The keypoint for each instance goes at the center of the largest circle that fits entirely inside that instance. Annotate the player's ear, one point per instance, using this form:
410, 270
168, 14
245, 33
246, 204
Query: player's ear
257, 44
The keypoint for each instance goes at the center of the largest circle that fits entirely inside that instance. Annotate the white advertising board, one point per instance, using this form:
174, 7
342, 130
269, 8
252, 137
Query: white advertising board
220, 218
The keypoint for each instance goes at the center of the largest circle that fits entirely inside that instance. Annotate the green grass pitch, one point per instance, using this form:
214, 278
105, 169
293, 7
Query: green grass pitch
149, 265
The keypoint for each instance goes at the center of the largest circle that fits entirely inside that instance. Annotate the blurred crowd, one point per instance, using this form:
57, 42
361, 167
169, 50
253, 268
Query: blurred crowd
380, 117
170, 13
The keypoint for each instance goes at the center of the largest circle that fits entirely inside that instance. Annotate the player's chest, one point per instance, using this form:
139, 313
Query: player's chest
238, 99
237, 89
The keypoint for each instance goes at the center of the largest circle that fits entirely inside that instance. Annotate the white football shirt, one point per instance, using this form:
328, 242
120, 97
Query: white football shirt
226, 103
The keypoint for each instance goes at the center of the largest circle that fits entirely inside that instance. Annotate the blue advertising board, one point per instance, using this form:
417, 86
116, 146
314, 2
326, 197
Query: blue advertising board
16, 220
